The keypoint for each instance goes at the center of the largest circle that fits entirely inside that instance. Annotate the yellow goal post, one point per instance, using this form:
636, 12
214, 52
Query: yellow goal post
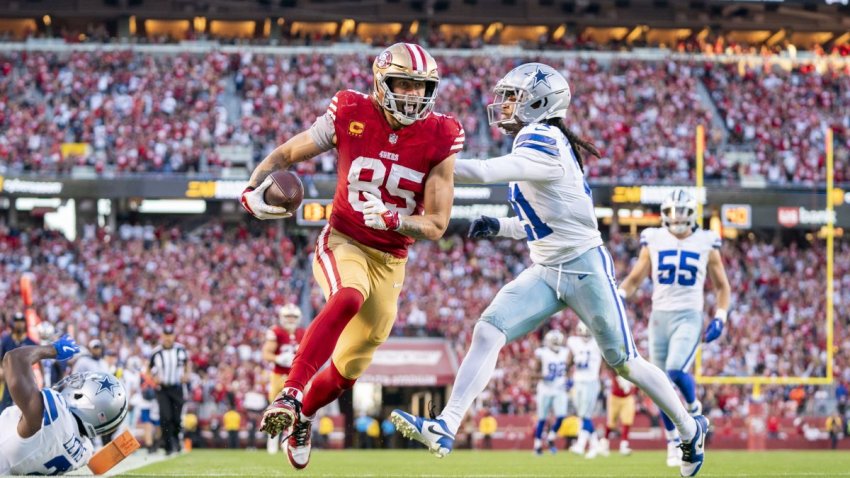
758, 381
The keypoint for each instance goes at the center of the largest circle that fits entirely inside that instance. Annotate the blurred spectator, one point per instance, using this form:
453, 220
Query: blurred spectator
487, 427
326, 427
232, 423
93, 361
387, 433
835, 428
11, 340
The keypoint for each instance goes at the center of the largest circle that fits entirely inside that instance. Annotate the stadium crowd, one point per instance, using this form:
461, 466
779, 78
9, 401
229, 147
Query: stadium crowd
219, 287
136, 112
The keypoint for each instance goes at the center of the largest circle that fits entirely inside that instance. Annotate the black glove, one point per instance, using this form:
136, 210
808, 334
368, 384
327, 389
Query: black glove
484, 227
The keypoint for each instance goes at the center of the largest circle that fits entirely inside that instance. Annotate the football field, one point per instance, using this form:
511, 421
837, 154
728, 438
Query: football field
412, 463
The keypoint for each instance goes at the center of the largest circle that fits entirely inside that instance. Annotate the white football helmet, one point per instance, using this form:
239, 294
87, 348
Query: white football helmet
46, 332
289, 316
411, 61
582, 329
553, 339
679, 212
530, 93
97, 399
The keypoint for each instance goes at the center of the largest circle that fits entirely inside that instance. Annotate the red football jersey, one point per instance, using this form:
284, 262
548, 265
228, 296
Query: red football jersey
617, 389
391, 164
284, 339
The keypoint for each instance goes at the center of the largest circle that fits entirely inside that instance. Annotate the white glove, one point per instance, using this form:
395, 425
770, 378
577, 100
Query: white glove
377, 216
253, 202
284, 359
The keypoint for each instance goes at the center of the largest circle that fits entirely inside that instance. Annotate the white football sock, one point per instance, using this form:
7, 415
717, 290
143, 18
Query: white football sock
672, 435
655, 383
474, 373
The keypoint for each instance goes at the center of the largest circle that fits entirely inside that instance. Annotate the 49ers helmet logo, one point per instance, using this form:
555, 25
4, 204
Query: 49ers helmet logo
384, 59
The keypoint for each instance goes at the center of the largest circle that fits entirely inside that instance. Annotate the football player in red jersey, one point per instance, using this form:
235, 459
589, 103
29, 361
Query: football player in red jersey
395, 185
282, 341
621, 408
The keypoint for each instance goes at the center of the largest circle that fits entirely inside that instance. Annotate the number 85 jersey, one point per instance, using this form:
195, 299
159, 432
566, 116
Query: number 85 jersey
390, 164
678, 267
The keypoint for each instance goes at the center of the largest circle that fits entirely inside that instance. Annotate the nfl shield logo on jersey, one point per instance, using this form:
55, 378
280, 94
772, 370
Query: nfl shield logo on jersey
393, 138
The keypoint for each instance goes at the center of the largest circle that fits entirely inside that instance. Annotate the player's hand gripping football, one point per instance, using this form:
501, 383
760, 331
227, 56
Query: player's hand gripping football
377, 216
65, 348
484, 226
253, 202
713, 331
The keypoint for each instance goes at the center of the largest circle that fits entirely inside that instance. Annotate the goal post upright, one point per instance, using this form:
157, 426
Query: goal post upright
758, 381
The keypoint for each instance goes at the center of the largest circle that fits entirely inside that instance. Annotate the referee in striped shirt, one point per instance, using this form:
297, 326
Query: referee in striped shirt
169, 367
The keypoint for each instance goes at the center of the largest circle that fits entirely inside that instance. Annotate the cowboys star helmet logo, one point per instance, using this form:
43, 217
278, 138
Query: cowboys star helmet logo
540, 76
106, 384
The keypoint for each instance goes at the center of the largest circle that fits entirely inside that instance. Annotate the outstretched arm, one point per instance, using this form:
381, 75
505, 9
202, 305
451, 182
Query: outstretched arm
511, 167
639, 272
20, 380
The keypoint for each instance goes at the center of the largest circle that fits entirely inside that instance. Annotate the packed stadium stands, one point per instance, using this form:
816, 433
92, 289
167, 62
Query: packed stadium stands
220, 286
134, 117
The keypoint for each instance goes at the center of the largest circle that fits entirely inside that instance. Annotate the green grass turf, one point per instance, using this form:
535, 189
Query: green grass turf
412, 463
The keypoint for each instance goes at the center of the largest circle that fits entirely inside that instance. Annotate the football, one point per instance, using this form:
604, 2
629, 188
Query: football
286, 190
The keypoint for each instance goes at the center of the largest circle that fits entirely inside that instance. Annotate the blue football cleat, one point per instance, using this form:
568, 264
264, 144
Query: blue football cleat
434, 434
693, 452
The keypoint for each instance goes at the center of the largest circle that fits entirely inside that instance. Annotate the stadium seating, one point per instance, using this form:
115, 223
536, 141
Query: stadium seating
641, 114
220, 288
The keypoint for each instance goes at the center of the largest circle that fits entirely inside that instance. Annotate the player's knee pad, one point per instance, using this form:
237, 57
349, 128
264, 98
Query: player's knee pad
487, 335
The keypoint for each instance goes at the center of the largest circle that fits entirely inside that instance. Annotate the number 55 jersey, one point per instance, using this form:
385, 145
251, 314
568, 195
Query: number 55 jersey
390, 164
678, 267
56, 448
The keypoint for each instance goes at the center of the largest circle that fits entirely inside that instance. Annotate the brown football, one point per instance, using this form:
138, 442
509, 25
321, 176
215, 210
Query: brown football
286, 190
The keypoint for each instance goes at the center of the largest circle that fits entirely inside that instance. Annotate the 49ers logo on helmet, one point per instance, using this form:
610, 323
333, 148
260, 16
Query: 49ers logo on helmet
384, 59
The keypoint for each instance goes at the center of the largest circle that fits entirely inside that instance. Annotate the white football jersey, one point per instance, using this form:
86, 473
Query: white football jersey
553, 369
556, 217
56, 448
586, 357
678, 267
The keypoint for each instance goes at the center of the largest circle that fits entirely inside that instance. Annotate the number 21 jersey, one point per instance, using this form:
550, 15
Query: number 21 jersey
390, 164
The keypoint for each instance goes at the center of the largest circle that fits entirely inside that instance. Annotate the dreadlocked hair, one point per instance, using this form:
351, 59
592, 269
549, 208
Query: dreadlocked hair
577, 143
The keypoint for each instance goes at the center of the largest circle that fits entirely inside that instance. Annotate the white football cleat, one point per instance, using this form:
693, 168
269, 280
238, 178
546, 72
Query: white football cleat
576, 450
591, 454
538, 446
434, 434
297, 446
604, 447
624, 448
674, 454
693, 452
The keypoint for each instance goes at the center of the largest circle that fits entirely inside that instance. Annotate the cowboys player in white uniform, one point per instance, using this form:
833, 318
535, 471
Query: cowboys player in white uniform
677, 256
551, 389
49, 431
586, 359
555, 213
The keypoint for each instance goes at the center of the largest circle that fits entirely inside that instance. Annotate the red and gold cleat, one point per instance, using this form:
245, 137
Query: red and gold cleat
281, 414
